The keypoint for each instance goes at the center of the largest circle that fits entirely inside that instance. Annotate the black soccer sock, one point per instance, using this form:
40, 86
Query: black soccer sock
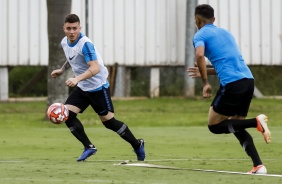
77, 130
232, 126
123, 130
248, 145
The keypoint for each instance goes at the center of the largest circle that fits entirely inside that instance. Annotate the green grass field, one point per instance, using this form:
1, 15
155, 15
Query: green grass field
175, 131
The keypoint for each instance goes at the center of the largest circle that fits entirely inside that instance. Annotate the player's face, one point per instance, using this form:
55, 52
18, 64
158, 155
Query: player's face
72, 31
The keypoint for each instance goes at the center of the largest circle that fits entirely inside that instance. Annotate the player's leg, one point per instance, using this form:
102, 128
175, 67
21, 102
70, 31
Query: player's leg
237, 105
249, 147
120, 128
103, 106
247, 143
221, 124
234, 125
76, 103
124, 132
234, 99
245, 139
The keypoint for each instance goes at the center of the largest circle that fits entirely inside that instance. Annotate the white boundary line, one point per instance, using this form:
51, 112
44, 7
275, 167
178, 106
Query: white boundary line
157, 160
186, 159
203, 159
126, 163
242, 173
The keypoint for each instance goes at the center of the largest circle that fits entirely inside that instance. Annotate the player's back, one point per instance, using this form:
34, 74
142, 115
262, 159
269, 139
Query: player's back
223, 52
219, 43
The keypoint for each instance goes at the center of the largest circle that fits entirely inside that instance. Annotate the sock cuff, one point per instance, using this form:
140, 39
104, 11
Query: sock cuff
109, 121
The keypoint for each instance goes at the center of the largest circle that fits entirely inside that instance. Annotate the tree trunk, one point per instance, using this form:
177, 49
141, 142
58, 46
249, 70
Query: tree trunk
57, 11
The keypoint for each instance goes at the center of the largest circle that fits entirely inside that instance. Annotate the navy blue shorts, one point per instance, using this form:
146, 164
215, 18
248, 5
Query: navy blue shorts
234, 98
100, 101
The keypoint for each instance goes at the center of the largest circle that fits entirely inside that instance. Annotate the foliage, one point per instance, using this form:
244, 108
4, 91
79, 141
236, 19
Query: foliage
20, 75
140, 81
267, 80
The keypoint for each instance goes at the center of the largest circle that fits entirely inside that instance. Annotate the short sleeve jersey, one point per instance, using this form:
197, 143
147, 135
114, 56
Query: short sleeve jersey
78, 54
223, 52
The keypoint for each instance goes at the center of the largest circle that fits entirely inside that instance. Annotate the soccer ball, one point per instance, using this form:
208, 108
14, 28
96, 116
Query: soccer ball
57, 113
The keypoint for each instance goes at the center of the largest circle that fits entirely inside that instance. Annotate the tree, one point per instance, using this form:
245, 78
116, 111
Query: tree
57, 11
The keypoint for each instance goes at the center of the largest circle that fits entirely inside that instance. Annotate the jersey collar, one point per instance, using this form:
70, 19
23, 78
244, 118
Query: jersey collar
73, 44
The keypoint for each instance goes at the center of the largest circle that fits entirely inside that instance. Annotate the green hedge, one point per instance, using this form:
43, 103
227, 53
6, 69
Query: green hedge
268, 80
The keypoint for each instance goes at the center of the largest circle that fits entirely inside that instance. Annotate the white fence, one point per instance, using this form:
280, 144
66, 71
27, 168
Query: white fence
141, 32
23, 35
138, 32
256, 25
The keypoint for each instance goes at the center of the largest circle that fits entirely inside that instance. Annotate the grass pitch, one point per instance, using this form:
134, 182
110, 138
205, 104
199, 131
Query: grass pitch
36, 151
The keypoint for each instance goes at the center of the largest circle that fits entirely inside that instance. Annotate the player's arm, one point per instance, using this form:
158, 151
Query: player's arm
66, 66
201, 62
195, 73
58, 72
93, 69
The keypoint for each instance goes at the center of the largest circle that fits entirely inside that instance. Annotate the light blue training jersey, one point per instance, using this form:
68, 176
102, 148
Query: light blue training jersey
223, 52
78, 54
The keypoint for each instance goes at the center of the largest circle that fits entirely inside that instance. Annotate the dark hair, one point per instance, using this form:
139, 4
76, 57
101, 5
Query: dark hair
72, 18
205, 11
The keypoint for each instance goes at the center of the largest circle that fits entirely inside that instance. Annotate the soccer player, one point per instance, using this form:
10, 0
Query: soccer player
92, 88
230, 106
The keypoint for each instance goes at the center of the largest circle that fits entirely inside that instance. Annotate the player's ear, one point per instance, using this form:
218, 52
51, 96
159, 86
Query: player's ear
196, 21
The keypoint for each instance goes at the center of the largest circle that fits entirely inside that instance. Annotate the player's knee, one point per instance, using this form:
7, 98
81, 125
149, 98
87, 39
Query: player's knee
115, 125
107, 115
214, 129
71, 119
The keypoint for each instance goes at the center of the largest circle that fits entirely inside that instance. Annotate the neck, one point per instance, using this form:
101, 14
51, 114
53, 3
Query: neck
204, 23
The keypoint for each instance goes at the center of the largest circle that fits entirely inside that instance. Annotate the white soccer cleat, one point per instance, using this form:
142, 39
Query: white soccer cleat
260, 169
262, 127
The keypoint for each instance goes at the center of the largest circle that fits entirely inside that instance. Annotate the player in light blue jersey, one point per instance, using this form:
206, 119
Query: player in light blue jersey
230, 106
92, 88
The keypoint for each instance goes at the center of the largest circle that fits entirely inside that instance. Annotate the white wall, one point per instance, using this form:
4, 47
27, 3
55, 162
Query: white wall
141, 32
23, 35
256, 25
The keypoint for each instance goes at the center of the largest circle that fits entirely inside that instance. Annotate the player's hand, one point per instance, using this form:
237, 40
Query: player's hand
57, 73
71, 82
194, 72
207, 90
